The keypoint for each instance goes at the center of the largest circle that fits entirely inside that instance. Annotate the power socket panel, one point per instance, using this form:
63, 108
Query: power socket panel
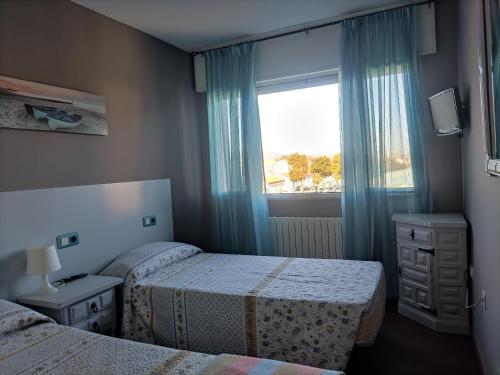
67, 240
149, 221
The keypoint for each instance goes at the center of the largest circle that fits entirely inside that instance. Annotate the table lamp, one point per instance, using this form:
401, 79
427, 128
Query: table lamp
42, 261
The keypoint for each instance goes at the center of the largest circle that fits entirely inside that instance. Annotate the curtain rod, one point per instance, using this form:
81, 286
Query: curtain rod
315, 27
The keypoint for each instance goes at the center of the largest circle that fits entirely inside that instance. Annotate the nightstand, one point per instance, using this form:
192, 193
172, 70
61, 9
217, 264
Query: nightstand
87, 303
432, 264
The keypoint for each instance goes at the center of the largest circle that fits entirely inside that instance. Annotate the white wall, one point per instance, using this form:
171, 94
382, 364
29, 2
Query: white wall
298, 54
481, 197
319, 50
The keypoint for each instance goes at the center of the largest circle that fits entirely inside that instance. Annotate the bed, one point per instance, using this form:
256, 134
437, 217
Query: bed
307, 311
31, 343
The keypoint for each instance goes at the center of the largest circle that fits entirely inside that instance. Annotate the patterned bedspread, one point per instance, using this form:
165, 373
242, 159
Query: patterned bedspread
305, 311
31, 343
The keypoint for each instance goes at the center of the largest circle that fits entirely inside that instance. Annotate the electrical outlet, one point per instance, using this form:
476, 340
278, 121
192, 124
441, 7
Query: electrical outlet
67, 240
149, 221
483, 300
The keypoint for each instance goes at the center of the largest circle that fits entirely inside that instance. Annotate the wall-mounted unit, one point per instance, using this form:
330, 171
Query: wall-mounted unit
426, 28
445, 112
200, 79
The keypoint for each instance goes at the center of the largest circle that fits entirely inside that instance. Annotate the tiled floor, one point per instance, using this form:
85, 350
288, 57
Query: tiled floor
405, 347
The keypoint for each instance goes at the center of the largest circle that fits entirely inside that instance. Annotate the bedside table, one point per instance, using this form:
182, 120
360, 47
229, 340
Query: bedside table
87, 303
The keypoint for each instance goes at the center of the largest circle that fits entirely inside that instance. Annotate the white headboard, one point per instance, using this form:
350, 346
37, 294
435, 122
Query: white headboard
108, 219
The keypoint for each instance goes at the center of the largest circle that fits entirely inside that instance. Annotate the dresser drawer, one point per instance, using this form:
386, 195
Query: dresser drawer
91, 306
78, 312
452, 257
406, 255
415, 295
449, 238
414, 234
408, 293
101, 322
416, 276
424, 298
106, 299
453, 310
450, 291
414, 257
452, 275
83, 325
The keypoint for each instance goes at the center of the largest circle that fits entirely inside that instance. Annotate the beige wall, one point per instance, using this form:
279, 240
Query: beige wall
147, 84
439, 72
481, 197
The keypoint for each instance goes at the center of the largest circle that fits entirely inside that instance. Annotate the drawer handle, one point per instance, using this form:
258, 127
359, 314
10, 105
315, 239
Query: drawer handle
95, 327
412, 234
93, 307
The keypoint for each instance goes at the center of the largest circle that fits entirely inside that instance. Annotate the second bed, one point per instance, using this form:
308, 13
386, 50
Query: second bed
307, 311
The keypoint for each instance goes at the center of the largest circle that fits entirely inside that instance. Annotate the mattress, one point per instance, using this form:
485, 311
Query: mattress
306, 311
31, 343
372, 316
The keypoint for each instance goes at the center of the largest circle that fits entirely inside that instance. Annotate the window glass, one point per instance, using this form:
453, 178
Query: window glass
300, 125
301, 139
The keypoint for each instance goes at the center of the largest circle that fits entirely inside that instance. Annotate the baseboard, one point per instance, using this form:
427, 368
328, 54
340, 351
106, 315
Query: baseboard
478, 352
432, 322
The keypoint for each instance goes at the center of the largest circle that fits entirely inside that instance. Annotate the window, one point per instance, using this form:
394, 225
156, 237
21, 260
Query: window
301, 136
300, 127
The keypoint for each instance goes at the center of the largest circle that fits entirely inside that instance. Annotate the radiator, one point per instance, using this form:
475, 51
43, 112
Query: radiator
307, 237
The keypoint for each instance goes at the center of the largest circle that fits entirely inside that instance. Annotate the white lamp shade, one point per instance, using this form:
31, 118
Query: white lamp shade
42, 260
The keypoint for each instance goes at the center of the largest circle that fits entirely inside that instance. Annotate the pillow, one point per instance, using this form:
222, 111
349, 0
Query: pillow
149, 258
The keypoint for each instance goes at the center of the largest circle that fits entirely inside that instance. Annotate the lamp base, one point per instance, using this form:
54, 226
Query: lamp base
45, 287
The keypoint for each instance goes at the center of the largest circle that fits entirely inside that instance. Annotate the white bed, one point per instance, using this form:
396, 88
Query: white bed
308, 311
31, 343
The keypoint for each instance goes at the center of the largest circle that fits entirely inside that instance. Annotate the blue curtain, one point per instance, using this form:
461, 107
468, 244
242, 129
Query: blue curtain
239, 206
381, 125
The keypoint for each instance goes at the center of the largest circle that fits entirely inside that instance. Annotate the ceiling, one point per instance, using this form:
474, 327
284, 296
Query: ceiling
199, 24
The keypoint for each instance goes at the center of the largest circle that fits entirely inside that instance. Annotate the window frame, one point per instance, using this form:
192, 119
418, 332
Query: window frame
304, 196
300, 81
297, 82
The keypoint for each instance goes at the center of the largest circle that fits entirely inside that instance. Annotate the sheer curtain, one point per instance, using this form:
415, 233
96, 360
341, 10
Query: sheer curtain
384, 169
239, 206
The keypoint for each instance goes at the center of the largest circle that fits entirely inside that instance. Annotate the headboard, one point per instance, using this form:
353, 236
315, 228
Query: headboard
107, 217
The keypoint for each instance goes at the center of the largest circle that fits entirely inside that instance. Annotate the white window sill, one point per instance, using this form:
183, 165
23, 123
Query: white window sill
298, 196
336, 195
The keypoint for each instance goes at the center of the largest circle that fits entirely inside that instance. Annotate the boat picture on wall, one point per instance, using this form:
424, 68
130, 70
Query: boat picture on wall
35, 106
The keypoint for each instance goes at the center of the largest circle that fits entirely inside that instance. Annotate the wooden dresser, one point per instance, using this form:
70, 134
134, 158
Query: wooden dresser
432, 266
